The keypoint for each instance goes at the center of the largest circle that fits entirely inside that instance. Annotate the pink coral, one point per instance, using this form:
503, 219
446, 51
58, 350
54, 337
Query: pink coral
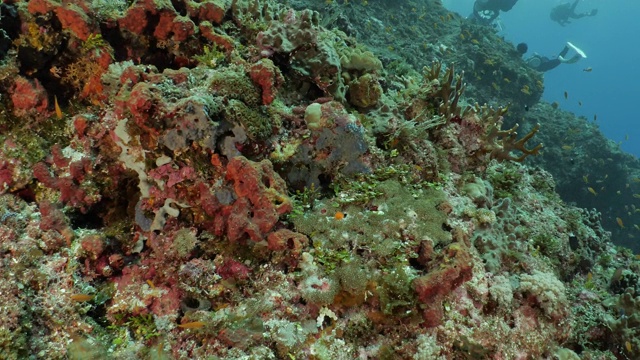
232, 269
454, 270
7, 169
75, 20
288, 241
72, 17
207, 11
28, 96
73, 188
266, 75
261, 199
92, 246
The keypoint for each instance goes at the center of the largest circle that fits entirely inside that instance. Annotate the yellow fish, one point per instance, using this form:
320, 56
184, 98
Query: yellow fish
192, 325
585, 178
57, 107
567, 147
592, 191
81, 297
637, 228
637, 196
620, 223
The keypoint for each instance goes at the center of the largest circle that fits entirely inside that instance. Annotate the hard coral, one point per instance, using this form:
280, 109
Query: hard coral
289, 242
456, 268
502, 142
213, 11
73, 179
365, 91
75, 19
266, 75
71, 16
28, 96
262, 199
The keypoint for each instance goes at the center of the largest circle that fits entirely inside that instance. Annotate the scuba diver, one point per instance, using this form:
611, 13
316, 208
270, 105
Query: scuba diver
563, 12
543, 63
486, 11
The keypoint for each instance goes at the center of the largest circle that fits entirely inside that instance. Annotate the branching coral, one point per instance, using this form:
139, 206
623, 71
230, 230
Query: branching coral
500, 143
437, 95
450, 92
509, 143
483, 124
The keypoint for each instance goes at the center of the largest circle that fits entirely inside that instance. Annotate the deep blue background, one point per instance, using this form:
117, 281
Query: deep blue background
611, 40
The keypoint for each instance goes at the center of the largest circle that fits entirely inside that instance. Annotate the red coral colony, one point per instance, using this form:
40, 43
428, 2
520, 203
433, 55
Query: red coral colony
242, 179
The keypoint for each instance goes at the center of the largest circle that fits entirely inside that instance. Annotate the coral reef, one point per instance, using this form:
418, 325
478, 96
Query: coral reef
239, 179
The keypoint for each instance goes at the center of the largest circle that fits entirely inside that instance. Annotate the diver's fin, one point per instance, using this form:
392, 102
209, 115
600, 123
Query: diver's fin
577, 50
572, 60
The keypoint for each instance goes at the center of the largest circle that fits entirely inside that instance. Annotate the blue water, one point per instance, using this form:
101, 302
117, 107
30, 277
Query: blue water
610, 39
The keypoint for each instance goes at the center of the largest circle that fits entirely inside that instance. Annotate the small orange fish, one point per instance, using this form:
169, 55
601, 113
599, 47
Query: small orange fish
57, 107
620, 223
151, 284
339, 215
192, 325
81, 297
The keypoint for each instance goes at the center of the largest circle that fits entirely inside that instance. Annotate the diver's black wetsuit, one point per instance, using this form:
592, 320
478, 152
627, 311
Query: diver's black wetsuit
546, 64
485, 11
563, 12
